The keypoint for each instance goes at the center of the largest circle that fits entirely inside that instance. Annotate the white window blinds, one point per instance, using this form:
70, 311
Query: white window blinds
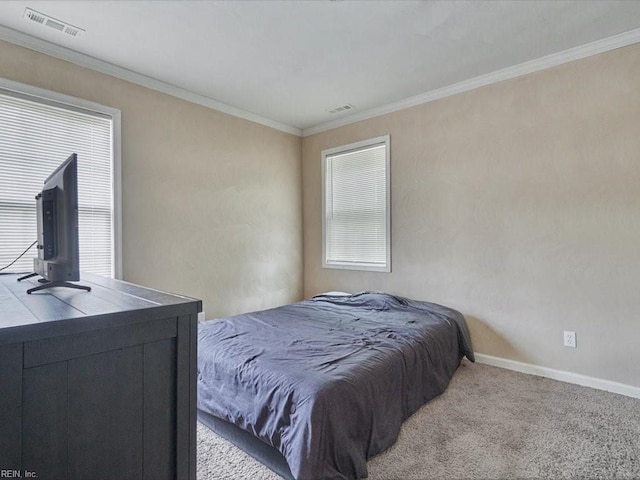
356, 206
35, 138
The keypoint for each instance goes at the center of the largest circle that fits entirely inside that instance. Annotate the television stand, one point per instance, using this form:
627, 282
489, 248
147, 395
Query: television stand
27, 276
99, 386
48, 284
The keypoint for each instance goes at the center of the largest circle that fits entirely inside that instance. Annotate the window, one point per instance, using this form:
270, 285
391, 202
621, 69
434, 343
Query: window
356, 206
38, 131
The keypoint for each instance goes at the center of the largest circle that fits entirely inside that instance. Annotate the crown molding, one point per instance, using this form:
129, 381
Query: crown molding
42, 46
600, 46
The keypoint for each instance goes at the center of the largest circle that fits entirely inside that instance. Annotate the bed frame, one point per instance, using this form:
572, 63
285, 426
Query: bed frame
265, 454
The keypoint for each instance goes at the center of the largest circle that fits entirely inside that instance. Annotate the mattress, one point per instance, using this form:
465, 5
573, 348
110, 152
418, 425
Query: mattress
328, 381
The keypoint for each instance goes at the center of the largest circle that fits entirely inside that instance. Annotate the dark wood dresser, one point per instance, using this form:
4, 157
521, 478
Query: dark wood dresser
97, 385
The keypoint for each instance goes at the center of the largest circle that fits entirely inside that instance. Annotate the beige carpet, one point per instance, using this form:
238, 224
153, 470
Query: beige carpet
491, 423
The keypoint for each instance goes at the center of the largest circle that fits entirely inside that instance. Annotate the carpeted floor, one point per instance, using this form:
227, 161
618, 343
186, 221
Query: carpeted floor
490, 423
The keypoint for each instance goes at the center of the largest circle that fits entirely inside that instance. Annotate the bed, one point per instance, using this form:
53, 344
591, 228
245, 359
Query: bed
324, 384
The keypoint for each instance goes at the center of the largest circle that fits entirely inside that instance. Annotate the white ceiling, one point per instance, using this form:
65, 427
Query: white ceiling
293, 61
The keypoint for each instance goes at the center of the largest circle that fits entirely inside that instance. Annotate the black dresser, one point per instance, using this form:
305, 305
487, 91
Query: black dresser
97, 385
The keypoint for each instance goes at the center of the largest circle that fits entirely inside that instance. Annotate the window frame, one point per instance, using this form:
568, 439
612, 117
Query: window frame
48, 97
360, 266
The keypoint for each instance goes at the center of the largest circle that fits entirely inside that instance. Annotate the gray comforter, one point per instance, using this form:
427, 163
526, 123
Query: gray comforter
329, 381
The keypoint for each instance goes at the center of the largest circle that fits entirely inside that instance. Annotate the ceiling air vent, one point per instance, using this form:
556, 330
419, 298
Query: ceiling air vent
342, 108
51, 22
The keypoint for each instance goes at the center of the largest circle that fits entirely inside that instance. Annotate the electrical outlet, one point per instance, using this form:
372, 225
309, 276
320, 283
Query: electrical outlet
570, 339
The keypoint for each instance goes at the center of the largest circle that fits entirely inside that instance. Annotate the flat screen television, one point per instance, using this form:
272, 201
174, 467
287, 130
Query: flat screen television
58, 261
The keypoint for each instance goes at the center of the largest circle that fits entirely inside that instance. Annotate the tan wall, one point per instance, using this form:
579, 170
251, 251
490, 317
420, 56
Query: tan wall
519, 205
211, 204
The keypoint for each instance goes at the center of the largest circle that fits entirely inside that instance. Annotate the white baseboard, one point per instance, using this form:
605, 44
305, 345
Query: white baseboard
561, 375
